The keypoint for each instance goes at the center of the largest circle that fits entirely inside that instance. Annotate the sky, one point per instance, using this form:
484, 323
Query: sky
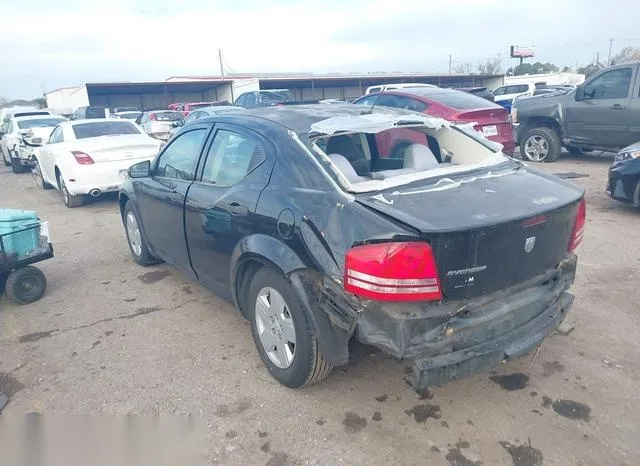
48, 44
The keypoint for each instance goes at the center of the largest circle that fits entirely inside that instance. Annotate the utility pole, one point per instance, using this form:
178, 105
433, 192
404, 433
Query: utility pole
449, 64
220, 60
598, 59
610, 46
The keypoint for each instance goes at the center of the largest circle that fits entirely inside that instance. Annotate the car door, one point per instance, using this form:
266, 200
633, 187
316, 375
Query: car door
46, 154
634, 109
161, 196
220, 205
601, 116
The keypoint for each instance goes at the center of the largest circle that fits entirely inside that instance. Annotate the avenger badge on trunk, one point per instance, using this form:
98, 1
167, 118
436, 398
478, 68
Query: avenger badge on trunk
529, 244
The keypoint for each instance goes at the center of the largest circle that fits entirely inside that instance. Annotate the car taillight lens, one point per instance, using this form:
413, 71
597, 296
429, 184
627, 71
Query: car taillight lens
578, 226
392, 272
82, 158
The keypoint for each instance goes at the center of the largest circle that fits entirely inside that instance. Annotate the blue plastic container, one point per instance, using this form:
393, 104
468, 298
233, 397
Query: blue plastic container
15, 241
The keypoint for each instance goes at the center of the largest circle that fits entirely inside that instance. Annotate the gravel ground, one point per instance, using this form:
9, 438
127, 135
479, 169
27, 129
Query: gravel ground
111, 337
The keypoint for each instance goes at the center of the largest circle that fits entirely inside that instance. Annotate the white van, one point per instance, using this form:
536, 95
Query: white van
389, 87
504, 95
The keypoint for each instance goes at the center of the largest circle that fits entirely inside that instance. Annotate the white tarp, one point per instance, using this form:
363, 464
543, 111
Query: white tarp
373, 123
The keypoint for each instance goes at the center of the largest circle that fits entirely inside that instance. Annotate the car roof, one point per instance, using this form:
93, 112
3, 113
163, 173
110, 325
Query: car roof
217, 108
96, 120
299, 118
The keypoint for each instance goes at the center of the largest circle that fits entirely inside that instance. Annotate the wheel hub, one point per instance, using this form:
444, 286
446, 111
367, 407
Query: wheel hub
275, 327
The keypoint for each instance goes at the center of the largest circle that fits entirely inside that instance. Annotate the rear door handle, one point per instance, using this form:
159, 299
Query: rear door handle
617, 107
236, 209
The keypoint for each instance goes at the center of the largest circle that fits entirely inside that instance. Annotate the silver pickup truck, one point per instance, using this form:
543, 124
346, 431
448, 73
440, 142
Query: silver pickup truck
602, 113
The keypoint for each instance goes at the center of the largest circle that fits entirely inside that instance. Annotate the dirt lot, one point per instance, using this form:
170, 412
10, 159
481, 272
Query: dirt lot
111, 337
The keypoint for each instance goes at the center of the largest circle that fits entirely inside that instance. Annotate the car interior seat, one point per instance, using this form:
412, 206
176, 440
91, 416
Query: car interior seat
346, 168
347, 147
418, 157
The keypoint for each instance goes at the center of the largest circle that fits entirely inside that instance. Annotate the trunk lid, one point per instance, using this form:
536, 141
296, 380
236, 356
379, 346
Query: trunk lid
119, 147
491, 122
488, 230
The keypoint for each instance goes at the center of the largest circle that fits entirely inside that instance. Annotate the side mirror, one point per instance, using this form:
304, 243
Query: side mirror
579, 93
140, 170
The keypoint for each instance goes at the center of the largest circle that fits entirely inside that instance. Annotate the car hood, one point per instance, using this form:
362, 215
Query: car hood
632, 147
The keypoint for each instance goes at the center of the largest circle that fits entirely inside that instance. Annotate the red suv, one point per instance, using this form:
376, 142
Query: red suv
492, 120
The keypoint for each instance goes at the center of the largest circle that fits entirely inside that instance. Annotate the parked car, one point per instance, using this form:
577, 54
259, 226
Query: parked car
624, 176
492, 120
90, 112
202, 113
158, 123
127, 115
90, 157
7, 113
456, 260
504, 95
479, 91
24, 134
269, 98
602, 113
390, 87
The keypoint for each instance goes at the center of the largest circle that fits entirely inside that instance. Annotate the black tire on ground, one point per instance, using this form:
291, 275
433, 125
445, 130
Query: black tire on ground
144, 258
16, 166
37, 175
69, 200
309, 365
26, 285
7, 163
551, 138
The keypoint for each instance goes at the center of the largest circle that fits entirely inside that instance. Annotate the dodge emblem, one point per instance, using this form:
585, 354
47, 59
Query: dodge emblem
529, 244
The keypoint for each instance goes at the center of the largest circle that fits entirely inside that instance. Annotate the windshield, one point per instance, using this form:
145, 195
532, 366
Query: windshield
460, 100
169, 116
103, 128
40, 123
274, 97
129, 115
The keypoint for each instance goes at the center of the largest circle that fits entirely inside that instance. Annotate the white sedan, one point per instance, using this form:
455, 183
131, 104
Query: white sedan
91, 157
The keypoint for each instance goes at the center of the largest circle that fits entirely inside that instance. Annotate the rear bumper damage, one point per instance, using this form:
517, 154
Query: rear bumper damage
456, 339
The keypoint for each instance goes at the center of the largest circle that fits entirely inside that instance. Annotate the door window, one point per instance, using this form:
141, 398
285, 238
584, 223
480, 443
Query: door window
56, 135
241, 100
613, 84
180, 158
367, 100
231, 157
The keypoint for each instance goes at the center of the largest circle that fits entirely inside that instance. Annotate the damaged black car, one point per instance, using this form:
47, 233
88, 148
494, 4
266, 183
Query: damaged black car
624, 176
326, 223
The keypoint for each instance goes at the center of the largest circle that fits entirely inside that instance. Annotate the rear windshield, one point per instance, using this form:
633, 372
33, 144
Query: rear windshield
202, 105
168, 116
103, 128
29, 114
40, 123
460, 100
95, 112
275, 97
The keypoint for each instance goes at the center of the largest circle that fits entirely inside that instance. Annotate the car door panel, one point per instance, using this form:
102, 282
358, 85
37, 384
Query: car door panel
161, 196
219, 208
602, 117
634, 110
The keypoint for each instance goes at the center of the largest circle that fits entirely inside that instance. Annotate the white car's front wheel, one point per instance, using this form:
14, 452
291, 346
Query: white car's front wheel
69, 199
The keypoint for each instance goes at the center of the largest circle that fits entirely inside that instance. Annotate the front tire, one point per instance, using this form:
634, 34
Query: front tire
540, 145
135, 239
26, 285
69, 199
282, 332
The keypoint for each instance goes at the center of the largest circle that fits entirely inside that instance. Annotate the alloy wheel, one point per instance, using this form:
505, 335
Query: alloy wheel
536, 148
275, 327
133, 231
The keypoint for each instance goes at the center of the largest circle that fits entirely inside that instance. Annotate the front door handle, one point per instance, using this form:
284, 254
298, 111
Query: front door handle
617, 107
236, 209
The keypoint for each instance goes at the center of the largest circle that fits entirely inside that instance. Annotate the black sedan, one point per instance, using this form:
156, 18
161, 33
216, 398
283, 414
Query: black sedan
448, 254
624, 176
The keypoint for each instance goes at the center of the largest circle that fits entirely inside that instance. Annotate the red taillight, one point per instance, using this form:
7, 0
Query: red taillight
82, 158
578, 226
392, 272
152, 116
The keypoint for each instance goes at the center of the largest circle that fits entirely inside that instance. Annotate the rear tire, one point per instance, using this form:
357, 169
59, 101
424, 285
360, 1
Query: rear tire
69, 199
26, 285
540, 144
37, 175
4, 159
271, 326
135, 239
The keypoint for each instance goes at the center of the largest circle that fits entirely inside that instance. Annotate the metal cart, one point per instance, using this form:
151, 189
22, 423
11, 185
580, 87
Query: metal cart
20, 281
